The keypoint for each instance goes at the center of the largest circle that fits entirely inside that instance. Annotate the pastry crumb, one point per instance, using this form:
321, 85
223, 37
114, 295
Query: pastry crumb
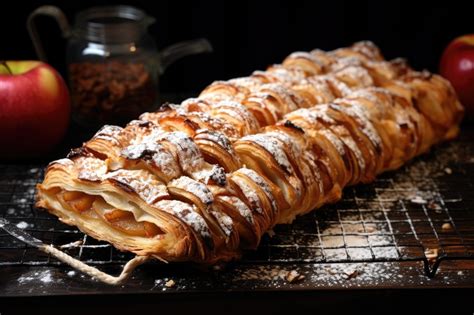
369, 229
351, 274
418, 200
446, 227
294, 276
434, 206
170, 283
431, 254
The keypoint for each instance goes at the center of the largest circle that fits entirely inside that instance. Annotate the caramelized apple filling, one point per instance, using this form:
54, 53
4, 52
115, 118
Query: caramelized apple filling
93, 207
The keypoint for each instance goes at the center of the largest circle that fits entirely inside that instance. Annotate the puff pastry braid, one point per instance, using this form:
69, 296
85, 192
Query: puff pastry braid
204, 179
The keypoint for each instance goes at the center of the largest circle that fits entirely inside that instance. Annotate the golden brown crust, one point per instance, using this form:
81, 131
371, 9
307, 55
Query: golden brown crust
202, 180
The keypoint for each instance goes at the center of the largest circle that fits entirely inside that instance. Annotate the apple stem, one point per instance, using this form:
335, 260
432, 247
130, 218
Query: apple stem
4, 63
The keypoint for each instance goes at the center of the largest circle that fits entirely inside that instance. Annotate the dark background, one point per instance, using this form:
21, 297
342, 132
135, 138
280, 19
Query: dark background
249, 35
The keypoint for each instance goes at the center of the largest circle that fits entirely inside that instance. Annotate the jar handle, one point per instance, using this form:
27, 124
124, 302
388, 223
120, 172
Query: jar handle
179, 50
51, 11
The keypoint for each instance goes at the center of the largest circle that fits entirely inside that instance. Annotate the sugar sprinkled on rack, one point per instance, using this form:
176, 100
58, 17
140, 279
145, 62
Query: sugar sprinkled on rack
74, 244
71, 273
273, 274
419, 200
22, 225
44, 276
34, 170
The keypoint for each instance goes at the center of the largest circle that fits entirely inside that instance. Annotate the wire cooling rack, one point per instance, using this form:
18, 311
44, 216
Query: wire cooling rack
423, 212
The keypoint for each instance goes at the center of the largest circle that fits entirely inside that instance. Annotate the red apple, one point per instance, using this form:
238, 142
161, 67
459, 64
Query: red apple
34, 108
457, 65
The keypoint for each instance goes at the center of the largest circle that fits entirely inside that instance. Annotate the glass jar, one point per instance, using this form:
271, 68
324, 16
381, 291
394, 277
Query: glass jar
113, 62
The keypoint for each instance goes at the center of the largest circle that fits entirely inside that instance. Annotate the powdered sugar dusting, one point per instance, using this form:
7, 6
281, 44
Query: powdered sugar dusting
359, 76
341, 87
311, 160
360, 115
319, 88
355, 149
205, 120
218, 138
284, 137
156, 154
272, 146
43, 277
194, 104
190, 157
250, 83
63, 162
225, 222
244, 211
196, 188
344, 62
236, 109
304, 55
90, 168
335, 141
71, 273
208, 172
109, 133
260, 181
287, 76
166, 162
224, 90
312, 115
261, 98
188, 213
146, 185
249, 193
282, 93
